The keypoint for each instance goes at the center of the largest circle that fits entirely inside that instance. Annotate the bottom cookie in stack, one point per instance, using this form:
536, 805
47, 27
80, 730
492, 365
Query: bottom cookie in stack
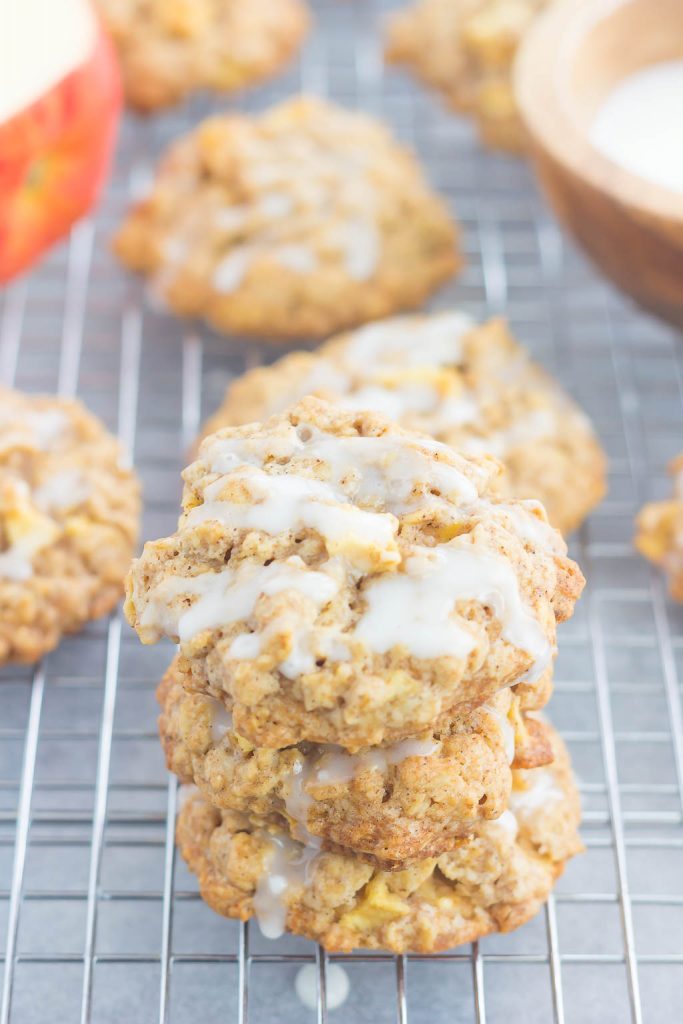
493, 880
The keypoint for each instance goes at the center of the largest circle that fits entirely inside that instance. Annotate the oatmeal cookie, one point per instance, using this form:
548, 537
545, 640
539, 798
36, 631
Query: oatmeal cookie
465, 49
337, 579
69, 515
659, 532
392, 804
469, 385
170, 48
494, 880
302, 221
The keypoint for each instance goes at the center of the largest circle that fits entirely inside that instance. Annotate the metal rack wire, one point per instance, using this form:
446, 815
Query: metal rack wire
102, 922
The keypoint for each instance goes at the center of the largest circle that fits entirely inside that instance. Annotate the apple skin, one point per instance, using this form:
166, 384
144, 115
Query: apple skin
54, 157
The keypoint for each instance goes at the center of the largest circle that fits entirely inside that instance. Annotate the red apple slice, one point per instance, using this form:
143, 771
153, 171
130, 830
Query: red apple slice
56, 133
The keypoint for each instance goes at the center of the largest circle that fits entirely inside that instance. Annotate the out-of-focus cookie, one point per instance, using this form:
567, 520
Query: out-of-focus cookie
170, 48
659, 532
393, 805
494, 880
337, 579
297, 223
471, 386
465, 49
69, 513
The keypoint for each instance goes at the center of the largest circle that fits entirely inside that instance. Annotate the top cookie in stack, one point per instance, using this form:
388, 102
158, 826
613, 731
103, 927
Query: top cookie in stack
336, 579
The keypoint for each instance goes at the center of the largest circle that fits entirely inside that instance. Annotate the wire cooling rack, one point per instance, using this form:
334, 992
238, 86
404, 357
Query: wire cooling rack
99, 921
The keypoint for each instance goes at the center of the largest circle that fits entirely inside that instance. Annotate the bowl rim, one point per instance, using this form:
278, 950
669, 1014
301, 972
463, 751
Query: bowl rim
560, 30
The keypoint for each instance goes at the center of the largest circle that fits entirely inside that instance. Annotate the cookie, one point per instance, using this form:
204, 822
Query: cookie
337, 579
171, 48
471, 386
494, 880
465, 49
69, 514
659, 532
392, 805
302, 221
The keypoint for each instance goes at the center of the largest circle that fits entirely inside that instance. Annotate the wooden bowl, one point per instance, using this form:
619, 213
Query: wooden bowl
571, 59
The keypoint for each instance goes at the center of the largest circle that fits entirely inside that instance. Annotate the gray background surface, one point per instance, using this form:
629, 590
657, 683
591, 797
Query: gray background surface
98, 921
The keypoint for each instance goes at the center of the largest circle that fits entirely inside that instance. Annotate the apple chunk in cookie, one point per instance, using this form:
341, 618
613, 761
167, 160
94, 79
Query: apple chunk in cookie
337, 579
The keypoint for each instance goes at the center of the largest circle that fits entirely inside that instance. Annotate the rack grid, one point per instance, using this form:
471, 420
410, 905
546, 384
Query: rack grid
100, 919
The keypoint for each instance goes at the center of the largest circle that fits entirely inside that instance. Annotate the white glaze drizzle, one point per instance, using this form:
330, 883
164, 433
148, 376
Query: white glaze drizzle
16, 564
16, 561
405, 341
537, 424
62, 491
286, 502
230, 596
330, 765
532, 528
40, 429
300, 259
433, 580
507, 730
221, 720
288, 865
542, 789
383, 470
508, 822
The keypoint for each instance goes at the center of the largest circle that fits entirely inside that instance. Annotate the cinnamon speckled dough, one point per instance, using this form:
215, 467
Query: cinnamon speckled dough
69, 514
659, 532
469, 385
337, 579
170, 48
393, 805
465, 49
495, 880
302, 221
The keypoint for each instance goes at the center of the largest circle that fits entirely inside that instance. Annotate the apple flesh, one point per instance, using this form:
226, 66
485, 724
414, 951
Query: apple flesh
55, 150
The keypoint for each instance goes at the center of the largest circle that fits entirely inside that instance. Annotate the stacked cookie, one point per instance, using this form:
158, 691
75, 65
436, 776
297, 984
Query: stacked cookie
366, 630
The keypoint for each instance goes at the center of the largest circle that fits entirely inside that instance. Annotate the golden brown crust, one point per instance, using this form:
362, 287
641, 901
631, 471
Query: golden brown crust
69, 514
493, 881
465, 49
324, 647
170, 48
297, 223
471, 386
391, 805
659, 532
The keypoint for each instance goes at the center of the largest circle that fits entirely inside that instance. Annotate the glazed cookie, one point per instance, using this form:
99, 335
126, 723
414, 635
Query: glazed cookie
337, 579
169, 48
659, 532
494, 880
466, 49
471, 386
68, 522
300, 222
392, 804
